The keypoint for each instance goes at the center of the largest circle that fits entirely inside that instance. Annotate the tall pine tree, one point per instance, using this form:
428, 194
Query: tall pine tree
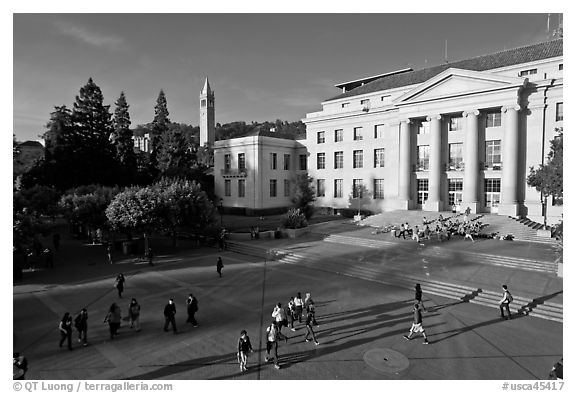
160, 124
174, 155
122, 141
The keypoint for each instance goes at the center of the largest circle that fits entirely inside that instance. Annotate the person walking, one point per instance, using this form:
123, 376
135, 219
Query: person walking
402, 232
150, 256
134, 314
309, 329
290, 311
310, 308
299, 305
114, 317
244, 347
119, 284
417, 325
81, 325
505, 302
468, 234
418, 296
65, 327
170, 316
272, 337
219, 266
192, 309
279, 316
109, 253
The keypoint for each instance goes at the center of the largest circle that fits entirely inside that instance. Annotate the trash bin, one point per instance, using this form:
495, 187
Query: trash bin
126, 248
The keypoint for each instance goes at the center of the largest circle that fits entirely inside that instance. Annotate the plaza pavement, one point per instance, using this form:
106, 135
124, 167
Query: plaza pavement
468, 341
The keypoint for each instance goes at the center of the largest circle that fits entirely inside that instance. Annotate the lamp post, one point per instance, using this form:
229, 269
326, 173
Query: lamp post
220, 206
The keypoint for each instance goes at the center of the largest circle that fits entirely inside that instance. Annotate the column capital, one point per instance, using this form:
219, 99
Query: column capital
435, 116
471, 112
405, 120
507, 108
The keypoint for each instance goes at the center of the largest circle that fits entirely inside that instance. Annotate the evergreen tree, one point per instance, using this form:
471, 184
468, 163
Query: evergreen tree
173, 155
160, 124
59, 130
122, 140
304, 194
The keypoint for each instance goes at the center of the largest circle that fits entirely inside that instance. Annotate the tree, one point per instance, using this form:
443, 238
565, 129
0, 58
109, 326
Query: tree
304, 194
548, 178
38, 200
160, 124
359, 197
174, 154
122, 140
59, 129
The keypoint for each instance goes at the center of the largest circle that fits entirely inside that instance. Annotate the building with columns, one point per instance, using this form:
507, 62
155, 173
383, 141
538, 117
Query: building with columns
458, 135
454, 136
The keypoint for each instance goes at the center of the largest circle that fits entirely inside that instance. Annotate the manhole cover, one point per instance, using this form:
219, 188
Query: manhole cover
386, 360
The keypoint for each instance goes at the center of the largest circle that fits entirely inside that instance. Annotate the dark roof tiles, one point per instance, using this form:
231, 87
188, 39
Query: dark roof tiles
543, 50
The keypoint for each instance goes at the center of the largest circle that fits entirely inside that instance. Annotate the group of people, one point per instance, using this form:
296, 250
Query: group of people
282, 316
443, 230
114, 317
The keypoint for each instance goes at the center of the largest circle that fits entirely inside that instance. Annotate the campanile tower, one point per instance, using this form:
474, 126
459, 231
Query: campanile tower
207, 124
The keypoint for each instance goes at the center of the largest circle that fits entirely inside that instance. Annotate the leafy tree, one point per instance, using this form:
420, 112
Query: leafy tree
174, 157
122, 140
38, 200
304, 194
86, 205
294, 219
359, 198
160, 124
548, 178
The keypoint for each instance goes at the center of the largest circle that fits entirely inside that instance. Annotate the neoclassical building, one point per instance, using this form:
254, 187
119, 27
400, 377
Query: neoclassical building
462, 134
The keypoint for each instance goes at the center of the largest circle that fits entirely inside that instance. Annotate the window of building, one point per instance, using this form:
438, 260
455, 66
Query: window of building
338, 135
559, 111
422, 188
531, 71
357, 188
286, 162
378, 188
286, 187
423, 127
358, 159
320, 187
560, 66
491, 193
383, 98
203, 103
454, 191
493, 155
345, 104
357, 133
364, 102
241, 188
302, 159
321, 161
493, 119
455, 162
338, 160
227, 187
273, 190
338, 188
379, 131
455, 123
423, 158
273, 161
321, 137
227, 162
378, 158
241, 162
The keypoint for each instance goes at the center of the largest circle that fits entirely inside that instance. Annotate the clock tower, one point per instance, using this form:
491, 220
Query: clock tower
207, 124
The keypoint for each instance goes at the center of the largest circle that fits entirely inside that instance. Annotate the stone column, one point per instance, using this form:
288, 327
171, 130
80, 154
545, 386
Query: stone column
509, 186
404, 165
434, 202
471, 163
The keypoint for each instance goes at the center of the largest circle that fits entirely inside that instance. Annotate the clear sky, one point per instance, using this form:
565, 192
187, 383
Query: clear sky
261, 66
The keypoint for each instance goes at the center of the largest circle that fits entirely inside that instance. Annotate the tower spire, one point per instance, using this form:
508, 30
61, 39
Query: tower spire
206, 89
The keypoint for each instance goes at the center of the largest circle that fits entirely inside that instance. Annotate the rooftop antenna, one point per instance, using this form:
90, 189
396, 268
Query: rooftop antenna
446, 51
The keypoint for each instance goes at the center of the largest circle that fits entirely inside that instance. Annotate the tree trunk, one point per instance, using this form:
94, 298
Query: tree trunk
146, 245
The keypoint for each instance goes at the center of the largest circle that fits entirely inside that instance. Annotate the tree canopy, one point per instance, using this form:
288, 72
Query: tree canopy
548, 178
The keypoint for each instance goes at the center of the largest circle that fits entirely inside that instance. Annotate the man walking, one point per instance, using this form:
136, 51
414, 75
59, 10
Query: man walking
279, 316
505, 302
81, 325
417, 325
272, 336
309, 329
170, 315
192, 308
219, 266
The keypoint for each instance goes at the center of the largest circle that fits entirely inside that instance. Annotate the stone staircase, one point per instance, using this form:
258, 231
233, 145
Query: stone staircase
462, 294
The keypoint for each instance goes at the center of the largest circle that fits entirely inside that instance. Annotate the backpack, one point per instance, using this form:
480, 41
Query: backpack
78, 321
509, 297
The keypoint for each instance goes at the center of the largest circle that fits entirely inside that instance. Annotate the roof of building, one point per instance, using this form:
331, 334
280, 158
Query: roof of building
271, 134
525, 54
31, 144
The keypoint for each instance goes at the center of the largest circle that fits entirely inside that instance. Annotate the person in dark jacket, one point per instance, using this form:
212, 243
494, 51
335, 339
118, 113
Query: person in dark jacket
114, 317
120, 280
134, 314
65, 327
219, 266
418, 296
170, 315
244, 347
192, 308
81, 325
417, 325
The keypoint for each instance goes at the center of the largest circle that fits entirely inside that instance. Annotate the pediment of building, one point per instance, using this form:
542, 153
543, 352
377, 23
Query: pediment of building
457, 82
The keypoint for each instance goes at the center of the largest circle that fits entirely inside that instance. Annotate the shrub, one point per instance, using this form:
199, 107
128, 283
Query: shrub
295, 219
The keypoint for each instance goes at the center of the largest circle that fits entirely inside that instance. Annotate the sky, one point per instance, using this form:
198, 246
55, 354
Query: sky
261, 66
